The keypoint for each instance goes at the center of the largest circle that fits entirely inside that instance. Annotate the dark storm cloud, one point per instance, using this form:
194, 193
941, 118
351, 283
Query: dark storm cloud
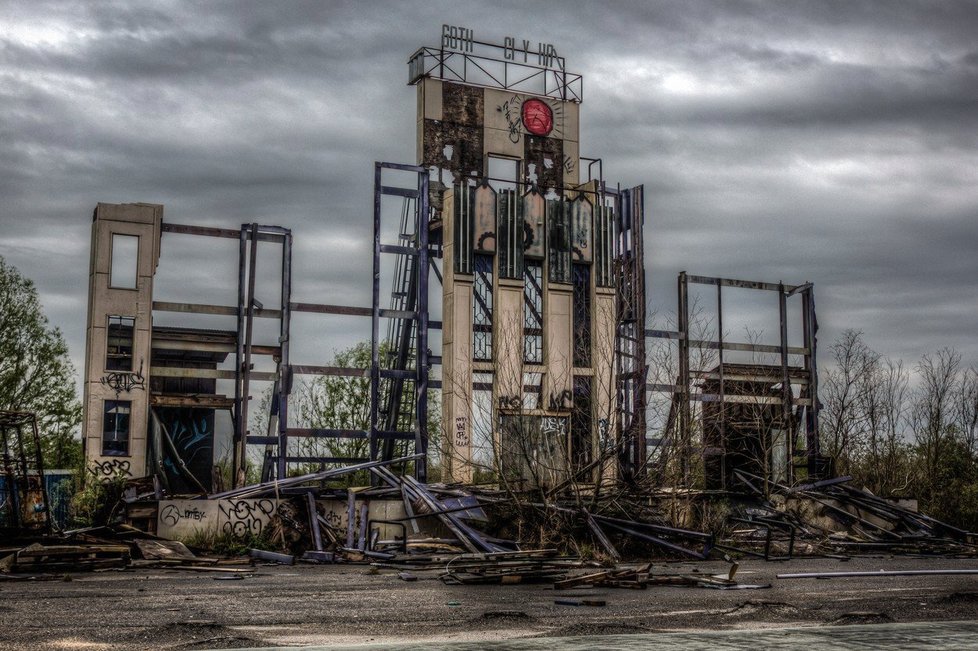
835, 142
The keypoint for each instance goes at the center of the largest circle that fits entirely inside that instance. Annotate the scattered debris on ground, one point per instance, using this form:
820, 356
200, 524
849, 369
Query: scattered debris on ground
479, 535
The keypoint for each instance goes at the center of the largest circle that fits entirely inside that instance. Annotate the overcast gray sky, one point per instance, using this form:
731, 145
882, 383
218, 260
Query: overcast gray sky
832, 142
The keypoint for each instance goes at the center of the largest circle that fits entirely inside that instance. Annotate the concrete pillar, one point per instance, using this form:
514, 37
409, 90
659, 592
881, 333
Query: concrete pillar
117, 292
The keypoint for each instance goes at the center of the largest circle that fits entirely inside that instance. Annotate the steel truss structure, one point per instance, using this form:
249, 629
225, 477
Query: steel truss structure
398, 381
783, 395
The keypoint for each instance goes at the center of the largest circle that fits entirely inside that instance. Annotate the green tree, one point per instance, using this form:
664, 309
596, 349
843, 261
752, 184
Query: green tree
36, 373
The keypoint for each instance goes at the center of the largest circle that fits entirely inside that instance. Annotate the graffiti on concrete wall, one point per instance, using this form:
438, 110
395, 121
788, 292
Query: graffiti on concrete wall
172, 514
108, 468
243, 517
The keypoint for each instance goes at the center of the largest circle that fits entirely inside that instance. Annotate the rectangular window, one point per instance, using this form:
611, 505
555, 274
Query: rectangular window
503, 173
482, 309
115, 427
510, 224
123, 267
581, 438
532, 391
534, 449
483, 444
533, 313
558, 224
464, 228
118, 353
604, 246
582, 315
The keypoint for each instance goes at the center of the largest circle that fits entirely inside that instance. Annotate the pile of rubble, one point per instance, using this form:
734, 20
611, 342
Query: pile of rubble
481, 535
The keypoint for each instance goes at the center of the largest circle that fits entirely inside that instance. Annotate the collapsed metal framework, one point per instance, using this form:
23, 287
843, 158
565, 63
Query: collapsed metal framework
789, 390
398, 382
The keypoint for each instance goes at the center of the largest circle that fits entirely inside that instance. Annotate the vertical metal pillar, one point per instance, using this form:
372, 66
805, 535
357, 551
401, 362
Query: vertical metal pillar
375, 319
249, 333
723, 403
237, 458
39, 465
421, 312
811, 414
284, 384
684, 393
14, 501
786, 416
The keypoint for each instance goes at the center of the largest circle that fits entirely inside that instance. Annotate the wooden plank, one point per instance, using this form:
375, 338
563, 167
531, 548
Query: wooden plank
199, 401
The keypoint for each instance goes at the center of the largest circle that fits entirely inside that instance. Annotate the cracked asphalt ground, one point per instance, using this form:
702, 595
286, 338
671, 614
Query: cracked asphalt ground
350, 604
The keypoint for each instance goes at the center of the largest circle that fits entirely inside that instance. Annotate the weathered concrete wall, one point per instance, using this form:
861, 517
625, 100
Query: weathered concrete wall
181, 519
142, 221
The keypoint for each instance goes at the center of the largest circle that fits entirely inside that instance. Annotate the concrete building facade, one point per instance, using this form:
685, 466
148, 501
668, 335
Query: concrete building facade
125, 253
530, 311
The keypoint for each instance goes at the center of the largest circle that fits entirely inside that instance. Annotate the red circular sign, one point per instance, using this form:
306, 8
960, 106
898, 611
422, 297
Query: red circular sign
538, 118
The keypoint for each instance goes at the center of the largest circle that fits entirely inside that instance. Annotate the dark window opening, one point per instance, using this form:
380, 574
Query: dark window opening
482, 309
559, 239
582, 315
532, 391
115, 427
533, 313
604, 243
581, 422
118, 354
511, 236
464, 228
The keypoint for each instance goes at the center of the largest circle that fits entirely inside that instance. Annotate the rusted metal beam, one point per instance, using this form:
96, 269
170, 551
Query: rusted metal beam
747, 348
208, 373
194, 401
212, 347
341, 371
744, 400
742, 284
263, 235
220, 310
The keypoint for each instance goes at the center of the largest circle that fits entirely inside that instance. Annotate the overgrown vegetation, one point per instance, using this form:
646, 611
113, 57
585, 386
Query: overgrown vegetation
227, 544
97, 502
36, 373
905, 432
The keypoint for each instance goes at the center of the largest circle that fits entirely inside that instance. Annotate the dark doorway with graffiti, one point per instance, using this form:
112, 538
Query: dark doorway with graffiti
186, 438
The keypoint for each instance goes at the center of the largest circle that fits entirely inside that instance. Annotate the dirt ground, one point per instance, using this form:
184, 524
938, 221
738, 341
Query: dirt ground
351, 604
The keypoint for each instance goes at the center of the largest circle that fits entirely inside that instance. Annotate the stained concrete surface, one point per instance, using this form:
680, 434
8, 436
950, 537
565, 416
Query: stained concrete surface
351, 605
